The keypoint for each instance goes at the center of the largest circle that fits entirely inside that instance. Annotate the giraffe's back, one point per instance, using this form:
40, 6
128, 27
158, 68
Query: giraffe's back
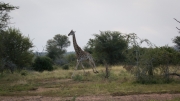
83, 56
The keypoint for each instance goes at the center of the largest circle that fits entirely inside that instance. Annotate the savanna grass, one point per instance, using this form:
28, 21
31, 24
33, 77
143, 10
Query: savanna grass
59, 83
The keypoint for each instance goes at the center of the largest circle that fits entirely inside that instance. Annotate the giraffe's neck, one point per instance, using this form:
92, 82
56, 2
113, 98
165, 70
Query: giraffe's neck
77, 49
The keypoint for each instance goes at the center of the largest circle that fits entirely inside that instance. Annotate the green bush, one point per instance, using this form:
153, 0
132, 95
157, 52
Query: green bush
24, 73
43, 63
65, 67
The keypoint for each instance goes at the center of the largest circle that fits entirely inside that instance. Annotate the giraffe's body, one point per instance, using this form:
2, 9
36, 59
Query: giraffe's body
82, 55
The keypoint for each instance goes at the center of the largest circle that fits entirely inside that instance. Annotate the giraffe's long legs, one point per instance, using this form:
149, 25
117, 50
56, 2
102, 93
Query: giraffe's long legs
83, 67
75, 68
93, 66
77, 65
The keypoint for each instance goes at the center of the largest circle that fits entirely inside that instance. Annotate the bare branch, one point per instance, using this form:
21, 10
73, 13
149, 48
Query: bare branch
176, 20
178, 28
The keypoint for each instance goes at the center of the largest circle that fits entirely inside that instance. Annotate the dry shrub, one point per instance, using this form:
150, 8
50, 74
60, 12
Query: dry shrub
128, 68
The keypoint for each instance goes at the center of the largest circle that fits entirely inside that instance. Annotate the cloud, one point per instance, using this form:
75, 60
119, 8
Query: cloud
43, 19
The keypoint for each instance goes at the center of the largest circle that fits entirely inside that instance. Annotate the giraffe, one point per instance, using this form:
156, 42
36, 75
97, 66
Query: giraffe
82, 55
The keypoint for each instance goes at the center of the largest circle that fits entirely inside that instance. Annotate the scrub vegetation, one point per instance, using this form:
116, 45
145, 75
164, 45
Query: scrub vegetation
125, 66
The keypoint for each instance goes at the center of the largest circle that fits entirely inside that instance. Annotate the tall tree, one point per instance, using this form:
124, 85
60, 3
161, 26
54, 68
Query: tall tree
5, 8
16, 47
57, 46
108, 46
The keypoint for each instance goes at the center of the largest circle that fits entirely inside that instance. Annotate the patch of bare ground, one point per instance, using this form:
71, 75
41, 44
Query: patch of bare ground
41, 89
55, 80
139, 97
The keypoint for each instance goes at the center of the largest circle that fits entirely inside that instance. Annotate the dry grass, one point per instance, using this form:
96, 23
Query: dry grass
19, 82
59, 83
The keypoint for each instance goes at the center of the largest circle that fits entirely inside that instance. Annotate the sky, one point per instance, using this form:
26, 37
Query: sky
41, 20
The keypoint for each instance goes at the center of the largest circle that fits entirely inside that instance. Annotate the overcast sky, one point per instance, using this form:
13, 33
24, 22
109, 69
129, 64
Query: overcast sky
43, 19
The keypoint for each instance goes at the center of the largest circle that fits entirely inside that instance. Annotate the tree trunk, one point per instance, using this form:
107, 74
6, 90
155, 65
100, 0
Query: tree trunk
107, 70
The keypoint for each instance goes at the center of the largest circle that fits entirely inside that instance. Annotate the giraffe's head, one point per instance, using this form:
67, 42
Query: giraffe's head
71, 33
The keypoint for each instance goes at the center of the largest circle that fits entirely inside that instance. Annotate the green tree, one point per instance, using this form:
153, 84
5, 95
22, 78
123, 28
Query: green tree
108, 47
90, 46
151, 64
139, 57
5, 8
57, 46
16, 47
176, 40
164, 59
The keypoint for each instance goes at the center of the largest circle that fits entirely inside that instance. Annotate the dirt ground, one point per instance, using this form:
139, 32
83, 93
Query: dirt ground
141, 97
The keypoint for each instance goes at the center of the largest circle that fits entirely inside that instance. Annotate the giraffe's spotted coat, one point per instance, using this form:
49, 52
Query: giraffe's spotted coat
82, 55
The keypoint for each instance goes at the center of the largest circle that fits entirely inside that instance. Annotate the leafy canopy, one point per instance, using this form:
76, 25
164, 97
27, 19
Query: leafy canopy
5, 8
16, 47
57, 46
108, 46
